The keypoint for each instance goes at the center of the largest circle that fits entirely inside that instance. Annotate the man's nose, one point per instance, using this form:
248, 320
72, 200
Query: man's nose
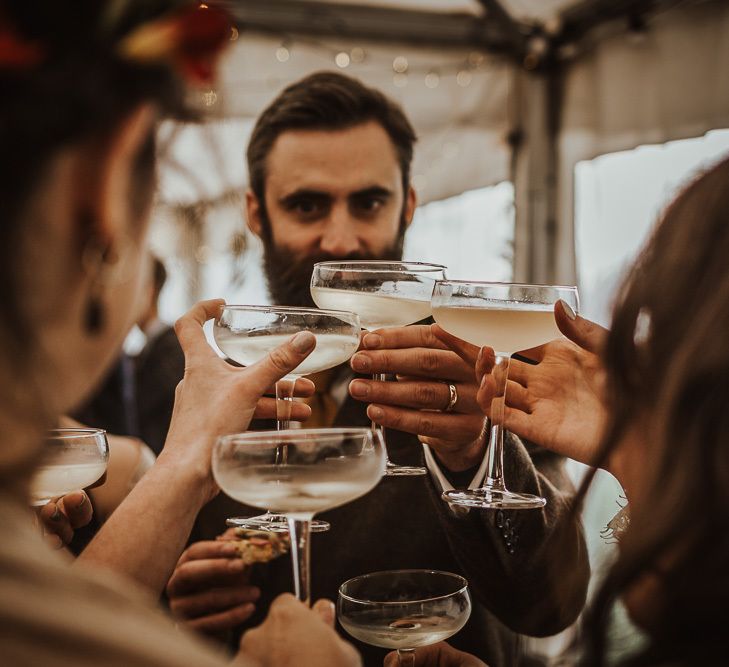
340, 237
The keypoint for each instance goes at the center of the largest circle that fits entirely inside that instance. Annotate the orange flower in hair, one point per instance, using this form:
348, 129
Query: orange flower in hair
192, 39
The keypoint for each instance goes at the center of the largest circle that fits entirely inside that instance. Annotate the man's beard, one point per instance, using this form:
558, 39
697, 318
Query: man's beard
288, 274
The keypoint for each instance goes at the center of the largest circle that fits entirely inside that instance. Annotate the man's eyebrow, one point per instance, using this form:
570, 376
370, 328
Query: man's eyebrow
303, 193
373, 191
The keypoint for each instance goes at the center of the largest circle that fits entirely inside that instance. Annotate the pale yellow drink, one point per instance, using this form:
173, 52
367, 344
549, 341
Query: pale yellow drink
376, 311
506, 330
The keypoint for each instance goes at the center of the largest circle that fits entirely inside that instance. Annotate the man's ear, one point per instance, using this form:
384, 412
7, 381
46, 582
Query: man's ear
253, 213
109, 202
411, 203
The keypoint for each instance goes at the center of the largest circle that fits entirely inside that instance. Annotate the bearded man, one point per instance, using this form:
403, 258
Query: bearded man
329, 168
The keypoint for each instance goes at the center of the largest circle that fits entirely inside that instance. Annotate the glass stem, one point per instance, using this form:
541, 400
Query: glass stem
379, 377
406, 657
284, 402
299, 532
495, 449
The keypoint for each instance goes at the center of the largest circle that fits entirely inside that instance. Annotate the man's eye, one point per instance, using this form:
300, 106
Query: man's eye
308, 208
369, 205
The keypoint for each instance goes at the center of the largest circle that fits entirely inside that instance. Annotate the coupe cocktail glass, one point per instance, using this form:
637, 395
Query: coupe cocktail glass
383, 294
404, 609
299, 473
73, 459
507, 317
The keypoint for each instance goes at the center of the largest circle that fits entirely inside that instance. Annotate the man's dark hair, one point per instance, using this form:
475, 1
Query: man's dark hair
326, 101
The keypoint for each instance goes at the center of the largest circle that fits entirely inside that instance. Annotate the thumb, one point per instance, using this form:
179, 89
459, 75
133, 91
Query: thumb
325, 610
588, 335
280, 362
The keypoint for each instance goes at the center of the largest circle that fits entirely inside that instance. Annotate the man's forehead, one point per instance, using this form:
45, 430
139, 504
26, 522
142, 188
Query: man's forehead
347, 160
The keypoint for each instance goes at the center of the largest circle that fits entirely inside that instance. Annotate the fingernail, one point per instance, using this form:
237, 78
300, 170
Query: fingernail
480, 356
360, 362
375, 413
359, 389
303, 341
56, 516
82, 501
372, 341
483, 381
236, 566
567, 309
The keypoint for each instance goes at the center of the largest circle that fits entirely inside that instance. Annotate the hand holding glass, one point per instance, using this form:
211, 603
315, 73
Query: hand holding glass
383, 294
73, 459
299, 473
246, 334
508, 317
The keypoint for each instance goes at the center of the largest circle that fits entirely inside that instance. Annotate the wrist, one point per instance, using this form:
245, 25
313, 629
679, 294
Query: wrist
191, 475
462, 458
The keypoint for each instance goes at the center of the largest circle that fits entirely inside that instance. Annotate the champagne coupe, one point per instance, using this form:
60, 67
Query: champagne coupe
246, 334
404, 609
508, 317
384, 294
321, 469
73, 458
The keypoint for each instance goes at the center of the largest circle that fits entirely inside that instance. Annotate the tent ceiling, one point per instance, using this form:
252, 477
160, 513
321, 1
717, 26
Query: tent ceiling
445, 6
462, 129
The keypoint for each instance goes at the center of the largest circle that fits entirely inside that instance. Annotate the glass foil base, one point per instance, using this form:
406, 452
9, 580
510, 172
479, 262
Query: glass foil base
273, 523
493, 499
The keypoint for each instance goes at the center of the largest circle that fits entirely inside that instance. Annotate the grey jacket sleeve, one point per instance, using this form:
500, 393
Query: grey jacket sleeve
530, 568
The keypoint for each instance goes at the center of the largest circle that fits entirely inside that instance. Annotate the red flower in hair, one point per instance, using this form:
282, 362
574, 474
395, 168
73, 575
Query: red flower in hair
192, 39
203, 31
16, 52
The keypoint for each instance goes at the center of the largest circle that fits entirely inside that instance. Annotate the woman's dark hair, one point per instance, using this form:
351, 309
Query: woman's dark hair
667, 364
326, 101
64, 82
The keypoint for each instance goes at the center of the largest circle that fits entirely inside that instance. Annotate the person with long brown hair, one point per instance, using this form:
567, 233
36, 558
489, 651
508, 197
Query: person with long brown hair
647, 401
83, 87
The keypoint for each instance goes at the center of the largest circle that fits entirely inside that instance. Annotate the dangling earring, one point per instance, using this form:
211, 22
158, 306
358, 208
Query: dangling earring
94, 315
96, 262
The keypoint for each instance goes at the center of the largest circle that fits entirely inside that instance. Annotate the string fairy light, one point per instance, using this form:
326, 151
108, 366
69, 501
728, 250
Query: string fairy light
461, 72
282, 53
400, 64
464, 78
432, 79
342, 59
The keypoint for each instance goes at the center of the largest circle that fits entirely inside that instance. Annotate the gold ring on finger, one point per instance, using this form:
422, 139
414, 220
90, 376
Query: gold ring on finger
452, 398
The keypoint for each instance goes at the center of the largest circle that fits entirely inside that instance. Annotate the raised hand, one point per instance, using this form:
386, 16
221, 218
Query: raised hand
557, 402
293, 635
215, 398
417, 402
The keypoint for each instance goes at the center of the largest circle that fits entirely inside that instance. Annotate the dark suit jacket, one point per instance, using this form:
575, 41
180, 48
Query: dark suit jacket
159, 368
527, 570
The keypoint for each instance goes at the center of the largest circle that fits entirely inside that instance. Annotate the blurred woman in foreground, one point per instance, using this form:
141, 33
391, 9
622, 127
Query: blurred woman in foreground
83, 86
648, 401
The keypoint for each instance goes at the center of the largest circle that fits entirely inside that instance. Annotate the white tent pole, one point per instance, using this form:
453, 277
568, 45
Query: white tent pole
534, 182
